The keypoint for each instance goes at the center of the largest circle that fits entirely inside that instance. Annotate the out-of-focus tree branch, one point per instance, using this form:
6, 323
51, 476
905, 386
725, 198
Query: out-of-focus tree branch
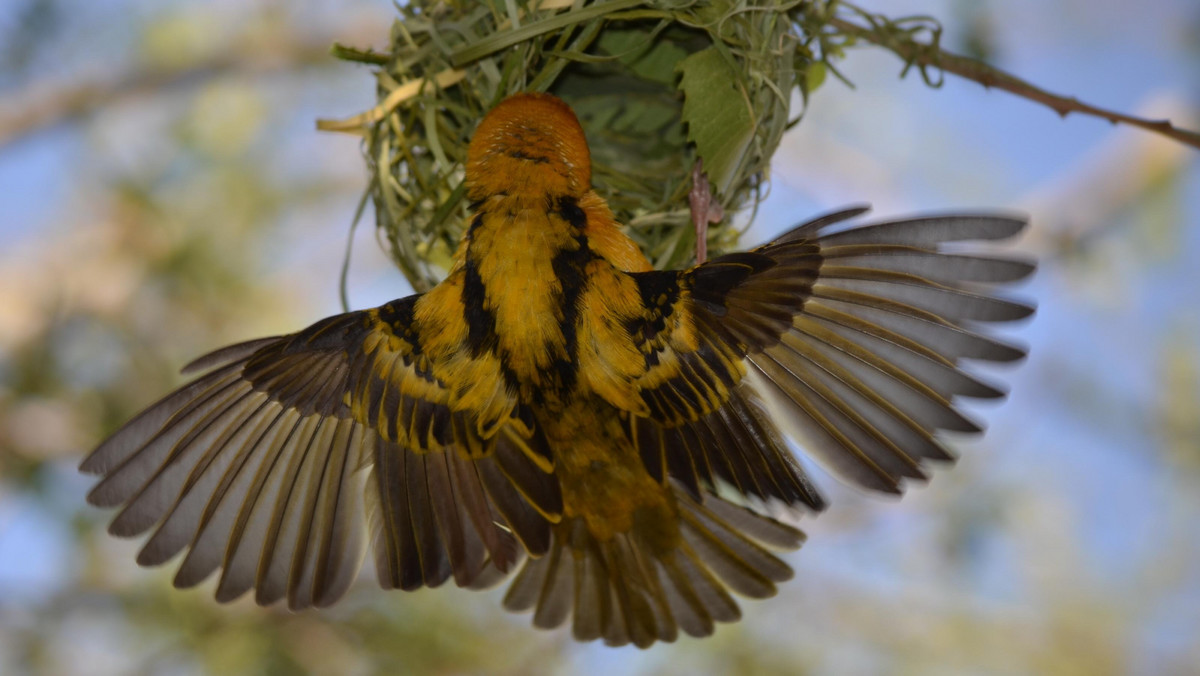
885, 34
38, 108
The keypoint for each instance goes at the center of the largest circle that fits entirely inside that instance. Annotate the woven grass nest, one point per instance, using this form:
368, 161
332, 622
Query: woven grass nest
656, 85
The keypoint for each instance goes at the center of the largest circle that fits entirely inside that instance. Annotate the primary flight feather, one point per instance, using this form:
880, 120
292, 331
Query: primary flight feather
557, 408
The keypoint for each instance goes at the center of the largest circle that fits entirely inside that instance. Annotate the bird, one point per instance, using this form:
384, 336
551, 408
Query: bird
612, 437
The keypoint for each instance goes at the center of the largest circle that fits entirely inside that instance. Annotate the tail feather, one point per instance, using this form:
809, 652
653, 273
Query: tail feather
635, 604
554, 601
593, 597
634, 588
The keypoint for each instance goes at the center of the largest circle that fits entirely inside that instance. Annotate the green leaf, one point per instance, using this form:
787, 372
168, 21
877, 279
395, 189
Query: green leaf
717, 114
814, 76
645, 119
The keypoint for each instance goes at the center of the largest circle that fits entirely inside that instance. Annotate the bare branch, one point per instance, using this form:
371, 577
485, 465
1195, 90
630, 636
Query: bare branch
926, 56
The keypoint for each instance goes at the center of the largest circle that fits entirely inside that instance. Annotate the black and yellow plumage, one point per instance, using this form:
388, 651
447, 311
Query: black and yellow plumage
557, 402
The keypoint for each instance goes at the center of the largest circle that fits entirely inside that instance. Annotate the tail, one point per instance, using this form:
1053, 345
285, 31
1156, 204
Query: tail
657, 579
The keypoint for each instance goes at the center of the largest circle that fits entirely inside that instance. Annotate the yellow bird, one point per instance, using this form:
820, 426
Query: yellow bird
556, 404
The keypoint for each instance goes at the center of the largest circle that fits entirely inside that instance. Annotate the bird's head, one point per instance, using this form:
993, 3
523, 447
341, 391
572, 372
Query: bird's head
529, 144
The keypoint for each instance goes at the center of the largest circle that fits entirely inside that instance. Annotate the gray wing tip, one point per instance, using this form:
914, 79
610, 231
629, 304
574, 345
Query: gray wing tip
1028, 264
1027, 308
1019, 309
1011, 352
89, 465
999, 224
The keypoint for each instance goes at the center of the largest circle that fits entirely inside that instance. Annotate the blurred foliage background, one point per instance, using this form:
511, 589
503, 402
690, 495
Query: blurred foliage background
162, 191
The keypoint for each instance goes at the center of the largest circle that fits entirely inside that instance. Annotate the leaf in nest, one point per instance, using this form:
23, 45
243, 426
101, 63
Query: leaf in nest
651, 117
814, 76
717, 115
652, 61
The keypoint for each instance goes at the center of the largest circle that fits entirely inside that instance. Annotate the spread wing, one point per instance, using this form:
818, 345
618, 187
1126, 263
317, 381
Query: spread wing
855, 338
272, 465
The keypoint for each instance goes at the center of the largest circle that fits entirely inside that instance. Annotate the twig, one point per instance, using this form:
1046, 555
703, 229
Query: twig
358, 123
705, 209
925, 56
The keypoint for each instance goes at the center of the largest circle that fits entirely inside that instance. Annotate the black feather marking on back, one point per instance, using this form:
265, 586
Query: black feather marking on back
481, 323
568, 207
570, 268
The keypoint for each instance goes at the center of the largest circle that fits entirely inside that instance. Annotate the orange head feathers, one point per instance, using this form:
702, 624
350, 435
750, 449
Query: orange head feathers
529, 144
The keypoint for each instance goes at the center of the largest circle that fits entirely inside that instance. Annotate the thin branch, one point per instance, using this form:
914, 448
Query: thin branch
358, 123
927, 56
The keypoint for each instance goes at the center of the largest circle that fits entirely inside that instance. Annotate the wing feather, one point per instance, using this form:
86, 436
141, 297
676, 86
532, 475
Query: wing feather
276, 466
854, 335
